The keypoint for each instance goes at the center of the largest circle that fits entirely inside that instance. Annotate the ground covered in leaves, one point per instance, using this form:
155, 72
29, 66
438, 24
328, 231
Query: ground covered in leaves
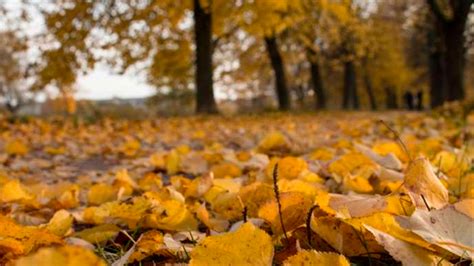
325, 189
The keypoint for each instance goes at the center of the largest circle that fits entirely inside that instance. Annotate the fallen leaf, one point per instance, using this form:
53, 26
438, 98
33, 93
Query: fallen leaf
446, 228
246, 246
422, 184
312, 257
65, 255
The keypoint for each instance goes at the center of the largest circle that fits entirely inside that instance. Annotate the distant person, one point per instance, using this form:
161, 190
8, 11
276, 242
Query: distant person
408, 96
419, 100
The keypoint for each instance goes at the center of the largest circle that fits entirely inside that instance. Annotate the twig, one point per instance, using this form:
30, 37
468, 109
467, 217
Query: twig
308, 224
277, 196
244, 214
426, 203
397, 136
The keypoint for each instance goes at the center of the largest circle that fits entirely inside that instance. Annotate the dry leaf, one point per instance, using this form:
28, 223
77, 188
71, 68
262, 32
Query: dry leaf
246, 246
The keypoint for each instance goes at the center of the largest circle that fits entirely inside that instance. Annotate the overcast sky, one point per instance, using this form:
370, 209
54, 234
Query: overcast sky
99, 83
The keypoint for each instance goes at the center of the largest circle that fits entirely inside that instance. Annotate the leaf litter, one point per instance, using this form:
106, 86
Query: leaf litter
323, 189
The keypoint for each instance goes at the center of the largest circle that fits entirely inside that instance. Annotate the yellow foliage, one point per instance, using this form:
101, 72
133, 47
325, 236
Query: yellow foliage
313, 258
101, 193
19, 240
171, 215
273, 141
61, 223
150, 243
294, 208
246, 246
423, 186
65, 255
14, 191
99, 234
16, 147
226, 169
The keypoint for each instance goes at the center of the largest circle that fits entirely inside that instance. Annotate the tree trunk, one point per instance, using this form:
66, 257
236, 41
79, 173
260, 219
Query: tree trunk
438, 86
351, 98
205, 102
450, 28
454, 41
279, 72
369, 87
370, 92
390, 98
316, 80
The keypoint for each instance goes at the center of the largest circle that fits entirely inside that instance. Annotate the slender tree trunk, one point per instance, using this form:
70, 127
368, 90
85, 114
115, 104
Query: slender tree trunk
279, 72
205, 102
316, 80
351, 98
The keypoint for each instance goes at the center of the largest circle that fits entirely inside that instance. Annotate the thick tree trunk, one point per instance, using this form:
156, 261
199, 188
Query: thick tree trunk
438, 86
316, 80
454, 41
351, 97
279, 72
205, 102
450, 29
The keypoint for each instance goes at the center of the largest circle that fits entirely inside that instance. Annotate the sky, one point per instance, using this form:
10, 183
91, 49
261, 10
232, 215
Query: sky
99, 83
102, 84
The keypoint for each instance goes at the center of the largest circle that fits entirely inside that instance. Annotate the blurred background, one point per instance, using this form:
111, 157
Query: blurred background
142, 58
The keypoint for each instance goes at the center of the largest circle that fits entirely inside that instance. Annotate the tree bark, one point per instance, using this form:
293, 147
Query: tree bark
276, 60
205, 101
316, 80
455, 58
390, 98
438, 86
370, 92
351, 97
368, 86
451, 30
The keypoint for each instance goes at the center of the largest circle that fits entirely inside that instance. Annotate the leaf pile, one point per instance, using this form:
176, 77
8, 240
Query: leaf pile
328, 189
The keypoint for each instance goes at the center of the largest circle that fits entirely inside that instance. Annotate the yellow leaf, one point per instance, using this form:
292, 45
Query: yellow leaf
13, 191
289, 168
349, 163
446, 228
386, 222
19, 240
99, 234
255, 195
422, 185
60, 223
294, 208
65, 255
172, 162
246, 246
101, 193
357, 184
171, 215
312, 257
218, 225
226, 169
16, 147
273, 141
406, 253
150, 243
343, 237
